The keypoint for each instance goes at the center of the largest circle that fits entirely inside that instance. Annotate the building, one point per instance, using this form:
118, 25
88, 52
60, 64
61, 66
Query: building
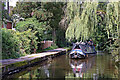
7, 21
8, 24
46, 44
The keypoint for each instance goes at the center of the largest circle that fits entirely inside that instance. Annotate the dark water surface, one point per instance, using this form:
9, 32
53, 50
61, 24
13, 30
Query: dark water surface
97, 67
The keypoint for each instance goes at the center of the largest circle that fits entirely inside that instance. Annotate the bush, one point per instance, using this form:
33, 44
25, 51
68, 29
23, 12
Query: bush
10, 44
49, 48
16, 44
29, 41
32, 40
43, 31
25, 42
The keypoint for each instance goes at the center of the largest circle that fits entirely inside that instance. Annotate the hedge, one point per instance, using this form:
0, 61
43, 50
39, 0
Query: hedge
16, 44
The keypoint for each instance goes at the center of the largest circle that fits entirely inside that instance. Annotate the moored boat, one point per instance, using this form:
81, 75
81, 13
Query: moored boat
82, 51
77, 52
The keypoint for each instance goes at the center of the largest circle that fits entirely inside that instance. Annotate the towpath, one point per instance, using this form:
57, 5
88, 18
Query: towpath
12, 64
31, 57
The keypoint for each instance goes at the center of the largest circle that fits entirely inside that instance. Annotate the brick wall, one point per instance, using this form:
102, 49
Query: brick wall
46, 44
8, 25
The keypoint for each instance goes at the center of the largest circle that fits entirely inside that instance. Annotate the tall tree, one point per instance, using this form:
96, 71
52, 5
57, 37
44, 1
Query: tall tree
82, 23
55, 9
112, 19
50, 13
97, 20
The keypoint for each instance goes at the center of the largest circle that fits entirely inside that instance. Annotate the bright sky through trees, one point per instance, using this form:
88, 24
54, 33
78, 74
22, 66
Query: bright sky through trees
12, 2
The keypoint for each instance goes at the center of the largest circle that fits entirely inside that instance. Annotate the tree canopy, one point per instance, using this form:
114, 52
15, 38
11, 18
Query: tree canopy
92, 17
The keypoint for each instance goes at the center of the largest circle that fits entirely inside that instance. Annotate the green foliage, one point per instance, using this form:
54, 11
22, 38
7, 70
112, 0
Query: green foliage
28, 40
34, 34
115, 49
42, 31
4, 14
82, 21
54, 15
26, 8
60, 38
55, 12
10, 44
16, 44
112, 20
98, 21
47, 13
49, 48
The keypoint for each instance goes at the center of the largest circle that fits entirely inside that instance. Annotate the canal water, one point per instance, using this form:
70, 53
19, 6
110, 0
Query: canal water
96, 67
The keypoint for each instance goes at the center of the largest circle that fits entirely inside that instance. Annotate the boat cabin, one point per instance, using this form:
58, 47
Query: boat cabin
84, 48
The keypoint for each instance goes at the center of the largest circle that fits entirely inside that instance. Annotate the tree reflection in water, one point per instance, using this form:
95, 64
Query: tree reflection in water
96, 67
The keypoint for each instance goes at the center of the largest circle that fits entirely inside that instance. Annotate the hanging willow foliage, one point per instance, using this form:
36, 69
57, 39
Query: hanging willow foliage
83, 20
112, 20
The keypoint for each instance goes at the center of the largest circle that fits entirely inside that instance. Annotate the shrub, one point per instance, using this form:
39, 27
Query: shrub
32, 40
40, 30
29, 41
16, 44
43, 31
25, 42
10, 44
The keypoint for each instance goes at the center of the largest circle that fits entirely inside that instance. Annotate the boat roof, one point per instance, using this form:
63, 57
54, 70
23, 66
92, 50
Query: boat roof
83, 47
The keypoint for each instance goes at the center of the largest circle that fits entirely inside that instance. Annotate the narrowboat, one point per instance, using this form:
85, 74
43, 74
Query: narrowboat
81, 51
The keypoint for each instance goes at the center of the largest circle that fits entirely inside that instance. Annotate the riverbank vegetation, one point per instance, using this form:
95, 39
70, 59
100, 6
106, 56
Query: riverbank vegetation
63, 23
96, 20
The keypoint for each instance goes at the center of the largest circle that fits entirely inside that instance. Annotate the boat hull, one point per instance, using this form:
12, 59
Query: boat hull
76, 56
81, 55
77, 53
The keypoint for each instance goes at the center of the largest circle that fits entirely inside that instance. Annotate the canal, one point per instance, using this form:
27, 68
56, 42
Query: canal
96, 67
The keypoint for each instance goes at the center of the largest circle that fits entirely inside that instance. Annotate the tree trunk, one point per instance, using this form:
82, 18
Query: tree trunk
54, 36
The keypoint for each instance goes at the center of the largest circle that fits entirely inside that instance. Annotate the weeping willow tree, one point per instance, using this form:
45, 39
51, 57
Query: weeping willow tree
113, 28
83, 19
112, 19
97, 20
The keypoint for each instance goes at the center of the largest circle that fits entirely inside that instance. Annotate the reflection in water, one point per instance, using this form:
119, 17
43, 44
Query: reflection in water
80, 67
97, 67
40, 72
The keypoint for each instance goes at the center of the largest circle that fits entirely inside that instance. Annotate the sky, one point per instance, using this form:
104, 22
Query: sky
12, 3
